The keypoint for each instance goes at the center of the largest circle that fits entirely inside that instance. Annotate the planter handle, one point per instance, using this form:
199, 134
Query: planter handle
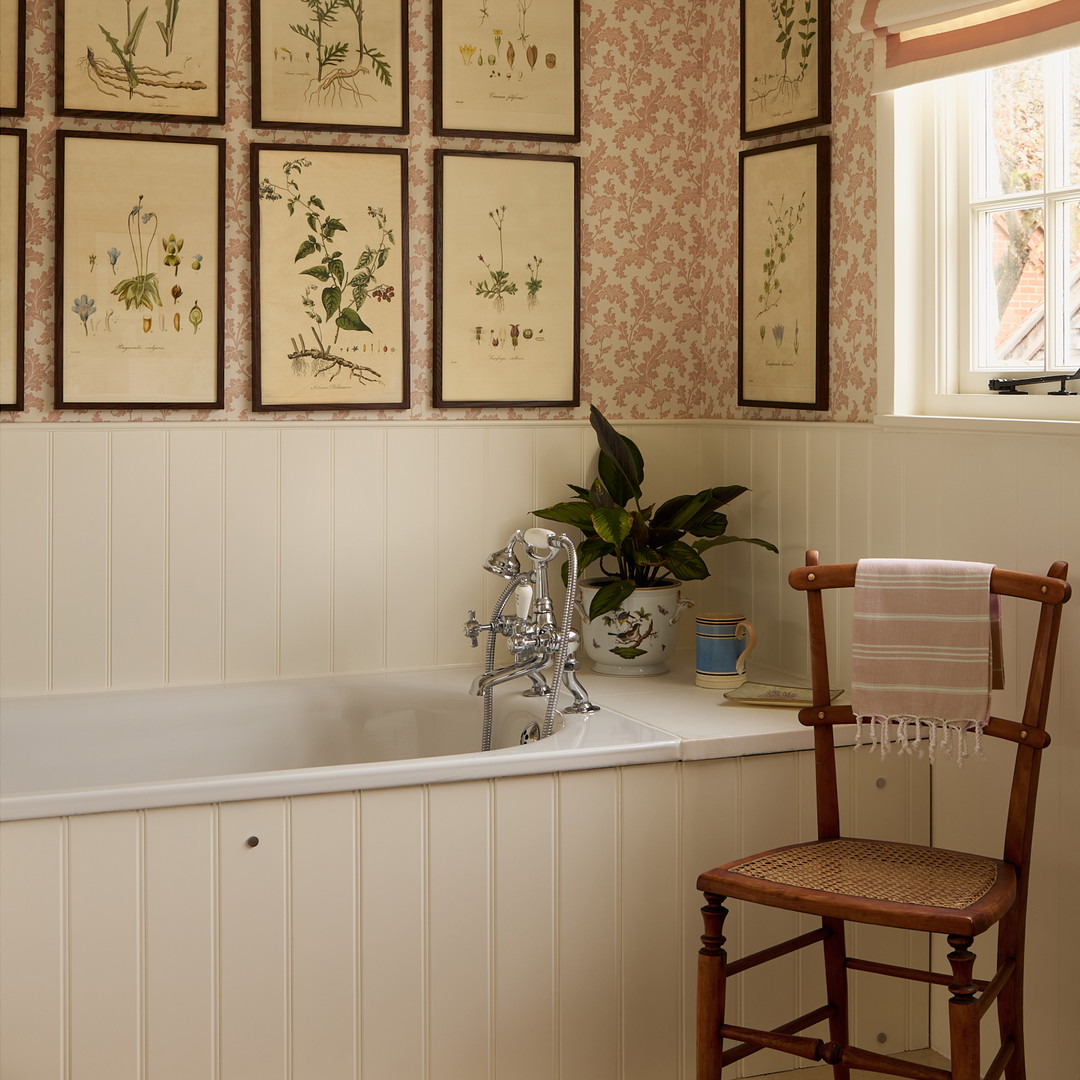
681, 605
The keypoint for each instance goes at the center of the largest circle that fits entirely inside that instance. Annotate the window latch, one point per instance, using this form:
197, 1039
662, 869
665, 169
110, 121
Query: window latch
1008, 386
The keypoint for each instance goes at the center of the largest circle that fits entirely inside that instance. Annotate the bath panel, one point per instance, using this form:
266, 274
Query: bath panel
501, 928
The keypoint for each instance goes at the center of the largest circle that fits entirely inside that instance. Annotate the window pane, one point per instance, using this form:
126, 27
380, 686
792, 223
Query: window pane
1073, 149
1072, 290
1017, 129
1016, 307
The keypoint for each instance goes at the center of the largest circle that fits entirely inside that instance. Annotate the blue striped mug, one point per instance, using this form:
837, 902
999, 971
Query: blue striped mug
724, 641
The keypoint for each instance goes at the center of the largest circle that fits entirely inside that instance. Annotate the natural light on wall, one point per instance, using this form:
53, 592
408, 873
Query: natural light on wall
979, 196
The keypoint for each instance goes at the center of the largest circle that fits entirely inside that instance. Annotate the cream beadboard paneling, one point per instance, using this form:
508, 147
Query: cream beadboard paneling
162, 557
34, 944
533, 927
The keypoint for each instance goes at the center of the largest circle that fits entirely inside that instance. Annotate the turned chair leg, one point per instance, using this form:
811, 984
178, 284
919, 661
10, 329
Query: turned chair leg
712, 979
963, 1011
836, 986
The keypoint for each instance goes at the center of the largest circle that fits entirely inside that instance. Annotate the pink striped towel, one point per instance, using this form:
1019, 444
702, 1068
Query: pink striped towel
922, 650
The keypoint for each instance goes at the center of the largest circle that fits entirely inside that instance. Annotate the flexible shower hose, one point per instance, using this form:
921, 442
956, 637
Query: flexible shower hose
489, 663
564, 645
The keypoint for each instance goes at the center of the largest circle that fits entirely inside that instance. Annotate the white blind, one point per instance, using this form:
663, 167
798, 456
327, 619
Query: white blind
918, 40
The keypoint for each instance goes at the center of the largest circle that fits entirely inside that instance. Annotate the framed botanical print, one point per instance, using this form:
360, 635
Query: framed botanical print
507, 283
508, 68
12, 57
141, 59
12, 264
784, 275
340, 64
330, 277
785, 83
140, 271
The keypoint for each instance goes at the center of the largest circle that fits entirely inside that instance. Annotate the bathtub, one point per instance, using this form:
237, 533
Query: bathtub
135, 750
287, 884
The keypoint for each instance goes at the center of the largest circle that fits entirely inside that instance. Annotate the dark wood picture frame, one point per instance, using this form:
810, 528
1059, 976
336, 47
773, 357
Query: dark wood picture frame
124, 339
302, 284
517, 84
104, 68
12, 269
777, 39
13, 53
291, 90
507, 334
784, 275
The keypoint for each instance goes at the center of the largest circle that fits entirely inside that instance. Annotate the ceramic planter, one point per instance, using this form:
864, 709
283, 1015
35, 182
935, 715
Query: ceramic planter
637, 637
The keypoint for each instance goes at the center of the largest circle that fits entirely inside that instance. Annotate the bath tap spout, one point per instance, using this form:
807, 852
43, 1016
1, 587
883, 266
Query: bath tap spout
510, 671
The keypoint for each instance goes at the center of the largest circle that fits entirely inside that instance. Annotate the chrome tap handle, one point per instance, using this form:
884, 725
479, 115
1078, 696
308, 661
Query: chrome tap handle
473, 629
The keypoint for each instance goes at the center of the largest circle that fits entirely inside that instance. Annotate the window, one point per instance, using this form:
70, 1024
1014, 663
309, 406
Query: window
985, 267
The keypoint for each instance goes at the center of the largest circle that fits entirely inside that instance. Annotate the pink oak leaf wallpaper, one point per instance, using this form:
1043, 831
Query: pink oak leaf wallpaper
659, 216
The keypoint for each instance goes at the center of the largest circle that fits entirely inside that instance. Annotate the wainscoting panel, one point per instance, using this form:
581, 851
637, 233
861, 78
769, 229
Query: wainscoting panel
178, 554
531, 928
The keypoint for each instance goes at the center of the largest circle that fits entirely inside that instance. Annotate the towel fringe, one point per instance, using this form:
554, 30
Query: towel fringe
950, 736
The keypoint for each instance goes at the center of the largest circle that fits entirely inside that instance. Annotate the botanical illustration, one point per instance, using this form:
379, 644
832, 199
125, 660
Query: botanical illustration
784, 219
783, 274
508, 65
508, 275
499, 284
142, 260
12, 66
331, 62
334, 326
141, 269
332, 302
12, 260
147, 56
781, 58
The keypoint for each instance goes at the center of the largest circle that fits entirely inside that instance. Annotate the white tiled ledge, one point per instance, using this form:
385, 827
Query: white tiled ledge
707, 724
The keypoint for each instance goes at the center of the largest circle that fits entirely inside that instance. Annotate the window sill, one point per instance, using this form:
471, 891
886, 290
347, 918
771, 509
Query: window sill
978, 424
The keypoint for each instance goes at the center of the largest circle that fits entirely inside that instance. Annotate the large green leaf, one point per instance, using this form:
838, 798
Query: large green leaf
614, 481
659, 537
684, 562
624, 455
598, 494
647, 556
709, 523
569, 513
676, 512
704, 545
612, 523
721, 496
610, 596
591, 549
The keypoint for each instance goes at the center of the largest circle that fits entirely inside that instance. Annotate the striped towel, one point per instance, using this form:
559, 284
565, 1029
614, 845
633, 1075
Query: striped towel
922, 650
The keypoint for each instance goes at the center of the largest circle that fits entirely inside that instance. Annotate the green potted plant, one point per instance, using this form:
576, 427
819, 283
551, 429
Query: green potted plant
641, 553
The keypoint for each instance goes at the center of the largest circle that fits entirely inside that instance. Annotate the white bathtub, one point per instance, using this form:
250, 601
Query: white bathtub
134, 750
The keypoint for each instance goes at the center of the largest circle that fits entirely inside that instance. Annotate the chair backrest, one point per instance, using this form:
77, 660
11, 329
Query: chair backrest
1029, 735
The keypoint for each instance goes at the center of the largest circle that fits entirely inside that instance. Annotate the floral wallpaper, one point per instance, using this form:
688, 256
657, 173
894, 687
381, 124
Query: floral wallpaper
659, 153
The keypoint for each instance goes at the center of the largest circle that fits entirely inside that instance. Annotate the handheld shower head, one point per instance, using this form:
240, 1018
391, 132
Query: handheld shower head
504, 563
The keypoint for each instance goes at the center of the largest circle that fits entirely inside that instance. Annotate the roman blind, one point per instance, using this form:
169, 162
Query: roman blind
919, 40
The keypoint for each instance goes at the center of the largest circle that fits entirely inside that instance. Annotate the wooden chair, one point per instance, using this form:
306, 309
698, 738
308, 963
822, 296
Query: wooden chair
970, 893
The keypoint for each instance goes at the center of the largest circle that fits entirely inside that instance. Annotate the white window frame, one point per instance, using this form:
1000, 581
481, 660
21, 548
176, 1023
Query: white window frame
924, 327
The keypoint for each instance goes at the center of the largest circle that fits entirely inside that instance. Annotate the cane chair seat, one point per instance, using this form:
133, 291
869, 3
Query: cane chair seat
873, 881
